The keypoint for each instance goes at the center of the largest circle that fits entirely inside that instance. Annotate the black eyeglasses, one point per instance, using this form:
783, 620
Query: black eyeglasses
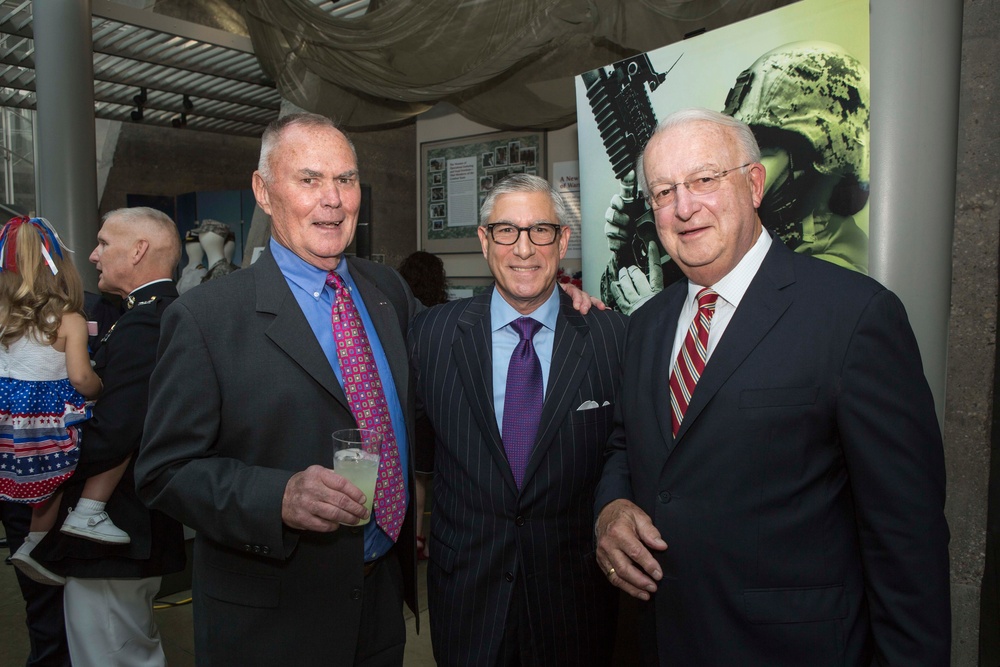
700, 183
542, 233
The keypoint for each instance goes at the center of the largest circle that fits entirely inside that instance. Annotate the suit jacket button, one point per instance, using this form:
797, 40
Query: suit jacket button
355, 593
509, 576
265, 549
247, 547
519, 521
664, 496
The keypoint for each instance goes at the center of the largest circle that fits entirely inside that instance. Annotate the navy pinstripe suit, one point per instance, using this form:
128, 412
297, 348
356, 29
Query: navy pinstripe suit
486, 536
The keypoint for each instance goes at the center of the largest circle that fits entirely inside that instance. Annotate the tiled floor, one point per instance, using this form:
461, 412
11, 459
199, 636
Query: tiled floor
175, 626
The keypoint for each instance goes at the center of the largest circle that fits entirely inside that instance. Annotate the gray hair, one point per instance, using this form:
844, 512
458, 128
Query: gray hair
745, 140
522, 183
277, 127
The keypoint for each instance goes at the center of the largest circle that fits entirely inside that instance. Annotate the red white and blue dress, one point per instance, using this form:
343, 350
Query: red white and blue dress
39, 416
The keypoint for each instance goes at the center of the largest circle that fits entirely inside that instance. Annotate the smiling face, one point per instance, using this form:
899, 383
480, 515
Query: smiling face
525, 273
706, 235
313, 195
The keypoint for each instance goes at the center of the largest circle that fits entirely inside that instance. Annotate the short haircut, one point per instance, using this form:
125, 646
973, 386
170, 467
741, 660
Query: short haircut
745, 140
522, 183
157, 221
278, 126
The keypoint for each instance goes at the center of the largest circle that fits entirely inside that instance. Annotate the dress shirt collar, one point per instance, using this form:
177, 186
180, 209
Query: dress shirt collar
301, 273
732, 286
151, 282
502, 313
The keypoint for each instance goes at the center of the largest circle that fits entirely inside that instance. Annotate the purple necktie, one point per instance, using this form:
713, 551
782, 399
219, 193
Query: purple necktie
522, 409
367, 400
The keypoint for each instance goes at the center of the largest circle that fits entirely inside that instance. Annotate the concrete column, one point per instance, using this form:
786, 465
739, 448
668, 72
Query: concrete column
66, 141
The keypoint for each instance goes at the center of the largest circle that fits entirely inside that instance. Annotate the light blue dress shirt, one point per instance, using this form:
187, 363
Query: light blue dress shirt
315, 298
505, 339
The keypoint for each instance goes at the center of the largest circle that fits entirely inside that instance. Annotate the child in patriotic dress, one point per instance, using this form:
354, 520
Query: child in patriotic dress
45, 381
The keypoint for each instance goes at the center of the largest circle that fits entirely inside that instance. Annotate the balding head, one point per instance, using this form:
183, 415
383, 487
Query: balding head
135, 246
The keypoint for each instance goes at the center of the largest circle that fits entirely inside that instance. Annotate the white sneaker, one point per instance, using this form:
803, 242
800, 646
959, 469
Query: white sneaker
97, 527
32, 569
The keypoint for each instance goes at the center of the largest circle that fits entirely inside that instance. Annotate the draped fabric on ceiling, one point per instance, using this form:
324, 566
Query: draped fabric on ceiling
508, 64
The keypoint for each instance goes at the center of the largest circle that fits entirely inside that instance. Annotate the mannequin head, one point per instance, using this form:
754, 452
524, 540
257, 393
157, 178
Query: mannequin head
194, 251
213, 244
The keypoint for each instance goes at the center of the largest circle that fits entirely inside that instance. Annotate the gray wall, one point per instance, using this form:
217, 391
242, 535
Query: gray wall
972, 331
168, 161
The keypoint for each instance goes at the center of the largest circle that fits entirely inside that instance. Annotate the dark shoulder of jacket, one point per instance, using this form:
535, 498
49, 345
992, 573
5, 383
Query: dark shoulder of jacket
386, 279
831, 283
443, 312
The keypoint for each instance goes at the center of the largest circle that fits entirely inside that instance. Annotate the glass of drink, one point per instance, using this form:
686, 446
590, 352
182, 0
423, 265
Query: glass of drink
355, 457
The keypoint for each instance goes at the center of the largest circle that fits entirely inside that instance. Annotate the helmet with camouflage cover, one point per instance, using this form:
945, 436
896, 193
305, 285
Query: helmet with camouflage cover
816, 90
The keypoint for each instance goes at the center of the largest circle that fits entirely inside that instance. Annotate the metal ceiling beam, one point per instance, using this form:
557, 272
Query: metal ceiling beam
170, 58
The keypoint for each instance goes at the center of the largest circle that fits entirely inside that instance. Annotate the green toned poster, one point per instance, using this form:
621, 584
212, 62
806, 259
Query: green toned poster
797, 75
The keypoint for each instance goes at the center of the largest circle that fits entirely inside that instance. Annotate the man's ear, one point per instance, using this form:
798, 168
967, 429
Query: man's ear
260, 192
483, 234
139, 250
758, 176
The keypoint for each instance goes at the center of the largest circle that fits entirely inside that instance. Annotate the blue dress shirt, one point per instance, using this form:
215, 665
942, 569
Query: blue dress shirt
315, 298
505, 339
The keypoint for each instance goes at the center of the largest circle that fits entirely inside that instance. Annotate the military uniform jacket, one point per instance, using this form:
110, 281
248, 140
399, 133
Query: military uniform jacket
124, 360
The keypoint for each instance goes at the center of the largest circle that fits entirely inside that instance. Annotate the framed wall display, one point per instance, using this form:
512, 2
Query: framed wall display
455, 176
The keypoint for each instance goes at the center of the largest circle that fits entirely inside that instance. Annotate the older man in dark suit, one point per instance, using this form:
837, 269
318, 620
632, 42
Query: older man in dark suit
793, 461
248, 389
109, 589
520, 390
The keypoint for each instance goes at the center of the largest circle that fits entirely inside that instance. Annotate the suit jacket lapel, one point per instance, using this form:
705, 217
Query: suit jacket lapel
763, 304
571, 357
290, 331
386, 323
472, 353
658, 353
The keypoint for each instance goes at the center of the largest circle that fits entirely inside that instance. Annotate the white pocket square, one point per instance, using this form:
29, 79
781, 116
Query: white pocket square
588, 405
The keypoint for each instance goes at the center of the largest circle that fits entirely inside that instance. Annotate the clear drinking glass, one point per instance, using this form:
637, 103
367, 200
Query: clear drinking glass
355, 457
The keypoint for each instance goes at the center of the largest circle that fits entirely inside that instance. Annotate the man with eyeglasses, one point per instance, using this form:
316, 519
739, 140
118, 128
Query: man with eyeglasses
520, 390
775, 486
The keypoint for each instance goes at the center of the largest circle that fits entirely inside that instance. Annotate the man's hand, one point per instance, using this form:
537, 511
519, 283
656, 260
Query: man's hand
633, 287
625, 535
318, 499
581, 300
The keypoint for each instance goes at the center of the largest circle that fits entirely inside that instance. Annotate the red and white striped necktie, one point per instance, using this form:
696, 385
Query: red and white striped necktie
691, 359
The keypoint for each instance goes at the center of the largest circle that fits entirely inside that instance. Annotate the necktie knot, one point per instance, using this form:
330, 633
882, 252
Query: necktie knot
526, 327
707, 298
334, 281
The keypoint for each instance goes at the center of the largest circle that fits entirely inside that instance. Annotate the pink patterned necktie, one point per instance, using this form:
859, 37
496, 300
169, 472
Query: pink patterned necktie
691, 359
367, 400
